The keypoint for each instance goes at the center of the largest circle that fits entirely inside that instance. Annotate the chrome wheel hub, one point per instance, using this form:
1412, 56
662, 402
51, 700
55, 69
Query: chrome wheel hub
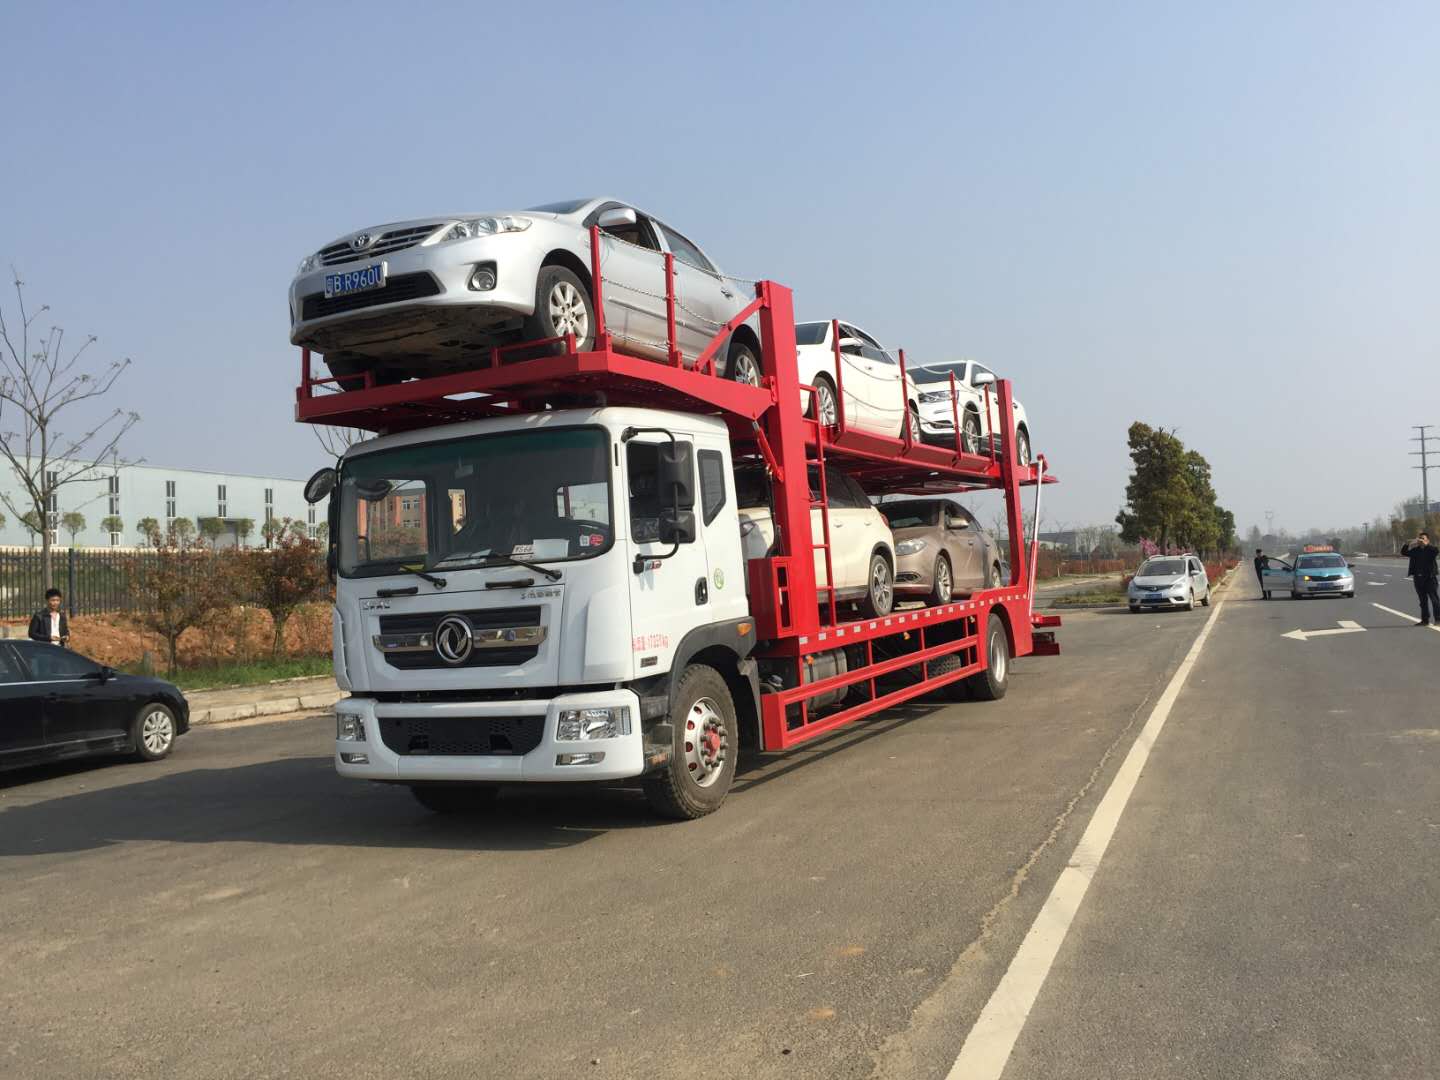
881, 588
999, 657
942, 582
825, 405
706, 743
157, 731
567, 310
747, 371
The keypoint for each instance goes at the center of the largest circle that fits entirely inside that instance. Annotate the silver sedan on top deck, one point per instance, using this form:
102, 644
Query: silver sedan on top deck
423, 297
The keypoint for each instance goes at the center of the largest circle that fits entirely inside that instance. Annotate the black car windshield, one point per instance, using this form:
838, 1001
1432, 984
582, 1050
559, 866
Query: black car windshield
1162, 568
541, 496
568, 206
811, 333
910, 515
938, 374
1328, 561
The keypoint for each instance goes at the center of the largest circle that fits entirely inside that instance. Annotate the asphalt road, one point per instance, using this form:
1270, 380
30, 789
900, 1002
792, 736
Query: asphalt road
1267, 907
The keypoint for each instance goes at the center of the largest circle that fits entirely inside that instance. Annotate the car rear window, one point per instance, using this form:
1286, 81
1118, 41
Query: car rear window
811, 333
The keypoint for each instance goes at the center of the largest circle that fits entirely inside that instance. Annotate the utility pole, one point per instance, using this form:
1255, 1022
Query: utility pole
1424, 455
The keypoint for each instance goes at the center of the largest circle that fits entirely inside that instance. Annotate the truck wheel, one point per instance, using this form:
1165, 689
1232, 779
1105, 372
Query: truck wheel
455, 798
991, 684
959, 690
562, 306
706, 740
943, 589
154, 732
879, 588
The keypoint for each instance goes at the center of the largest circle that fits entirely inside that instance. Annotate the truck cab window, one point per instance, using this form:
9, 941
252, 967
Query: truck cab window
712, 483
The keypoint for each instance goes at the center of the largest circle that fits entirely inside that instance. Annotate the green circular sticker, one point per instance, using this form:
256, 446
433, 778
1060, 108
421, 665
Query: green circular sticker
719, 579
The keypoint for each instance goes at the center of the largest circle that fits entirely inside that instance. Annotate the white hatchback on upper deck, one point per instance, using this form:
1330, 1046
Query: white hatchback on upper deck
423, 297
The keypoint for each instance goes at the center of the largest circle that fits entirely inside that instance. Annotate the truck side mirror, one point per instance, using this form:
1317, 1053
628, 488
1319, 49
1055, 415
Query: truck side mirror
677, 475
677, 528
319, 485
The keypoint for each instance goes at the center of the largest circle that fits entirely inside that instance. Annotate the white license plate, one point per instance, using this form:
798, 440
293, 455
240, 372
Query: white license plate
353, 281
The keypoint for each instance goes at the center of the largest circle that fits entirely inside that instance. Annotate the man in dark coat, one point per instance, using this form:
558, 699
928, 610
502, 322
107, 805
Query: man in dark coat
49, 624
1260, 562
1422, 572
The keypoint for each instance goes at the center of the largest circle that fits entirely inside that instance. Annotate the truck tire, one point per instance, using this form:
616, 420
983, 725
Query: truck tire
991, 684
562, 305
455, 798
706, 740
958, 690
879, 587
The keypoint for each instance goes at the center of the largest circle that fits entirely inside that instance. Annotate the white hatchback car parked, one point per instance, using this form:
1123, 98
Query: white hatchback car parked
978, 427
1169, 581
862, 547
871, 374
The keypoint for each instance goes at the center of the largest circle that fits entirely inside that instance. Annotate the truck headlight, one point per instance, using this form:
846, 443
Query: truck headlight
578, 724
909, 547
349, 727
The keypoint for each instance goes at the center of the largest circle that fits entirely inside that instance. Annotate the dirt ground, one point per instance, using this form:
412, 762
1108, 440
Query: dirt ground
237, 634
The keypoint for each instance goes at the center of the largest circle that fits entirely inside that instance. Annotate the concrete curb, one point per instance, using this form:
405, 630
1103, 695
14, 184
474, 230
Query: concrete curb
278, 706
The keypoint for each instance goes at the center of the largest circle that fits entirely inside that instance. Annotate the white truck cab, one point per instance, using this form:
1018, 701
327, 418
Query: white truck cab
522, 598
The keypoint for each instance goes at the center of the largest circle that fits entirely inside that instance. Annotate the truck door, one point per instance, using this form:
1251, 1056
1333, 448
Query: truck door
670, 594
1278, 577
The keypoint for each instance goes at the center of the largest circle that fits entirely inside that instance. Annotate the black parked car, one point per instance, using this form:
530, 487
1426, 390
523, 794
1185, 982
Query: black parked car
55, 703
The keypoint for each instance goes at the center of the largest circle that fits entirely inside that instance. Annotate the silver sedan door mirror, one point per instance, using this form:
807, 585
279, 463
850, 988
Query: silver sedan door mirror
617, 217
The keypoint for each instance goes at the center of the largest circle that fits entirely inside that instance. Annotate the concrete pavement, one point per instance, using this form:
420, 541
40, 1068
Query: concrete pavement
268, 699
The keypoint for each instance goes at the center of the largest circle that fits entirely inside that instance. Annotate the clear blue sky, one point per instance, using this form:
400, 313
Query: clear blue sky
1220, 217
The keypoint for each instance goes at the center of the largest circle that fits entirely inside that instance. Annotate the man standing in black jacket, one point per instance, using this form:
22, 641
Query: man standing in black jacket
1260, 562
51, 625
1423, 572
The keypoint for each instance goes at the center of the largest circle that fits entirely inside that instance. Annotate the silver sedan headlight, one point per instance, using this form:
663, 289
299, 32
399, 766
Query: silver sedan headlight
485, 226
909, 547
310, 262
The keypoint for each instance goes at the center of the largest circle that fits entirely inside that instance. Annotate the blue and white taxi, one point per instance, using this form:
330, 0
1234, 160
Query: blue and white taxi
1314, 573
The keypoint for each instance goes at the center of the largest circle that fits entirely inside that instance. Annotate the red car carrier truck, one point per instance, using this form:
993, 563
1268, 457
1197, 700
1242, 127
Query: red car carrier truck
540, 574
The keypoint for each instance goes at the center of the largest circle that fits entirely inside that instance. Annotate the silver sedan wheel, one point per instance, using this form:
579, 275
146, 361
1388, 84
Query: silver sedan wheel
747, 369
944, 587
157, 731
706, 743
567, 311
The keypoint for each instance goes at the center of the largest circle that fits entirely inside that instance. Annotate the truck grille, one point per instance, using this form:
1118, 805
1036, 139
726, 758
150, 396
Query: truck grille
425, 622
462, 736
399, 288
393, 240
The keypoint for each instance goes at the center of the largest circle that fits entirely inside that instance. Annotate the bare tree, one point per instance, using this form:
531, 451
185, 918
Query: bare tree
38, 381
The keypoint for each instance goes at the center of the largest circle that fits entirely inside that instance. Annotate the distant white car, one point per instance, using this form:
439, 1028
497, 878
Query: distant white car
871, 374
977, 427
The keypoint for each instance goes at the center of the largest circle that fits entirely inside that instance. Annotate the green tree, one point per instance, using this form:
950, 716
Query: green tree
1158, 496
2, 521
73, 522
272, 530
31, 520
211, 529
244, 527
149, 530
182, 531
113, 525
175, 588
290, 573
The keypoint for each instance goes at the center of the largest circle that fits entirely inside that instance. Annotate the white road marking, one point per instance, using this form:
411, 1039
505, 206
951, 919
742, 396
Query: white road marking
1346, 627
1403, 615
987, 1048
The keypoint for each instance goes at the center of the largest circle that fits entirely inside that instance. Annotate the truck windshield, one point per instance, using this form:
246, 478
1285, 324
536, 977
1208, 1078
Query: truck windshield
541, 496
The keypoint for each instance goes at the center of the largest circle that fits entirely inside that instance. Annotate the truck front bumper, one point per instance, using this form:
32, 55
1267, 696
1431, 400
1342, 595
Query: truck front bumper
382, 755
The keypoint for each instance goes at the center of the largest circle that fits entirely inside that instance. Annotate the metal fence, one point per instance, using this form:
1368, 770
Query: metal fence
94, 582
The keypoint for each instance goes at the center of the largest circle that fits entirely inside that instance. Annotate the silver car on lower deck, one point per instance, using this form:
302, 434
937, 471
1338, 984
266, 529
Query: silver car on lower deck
427, 296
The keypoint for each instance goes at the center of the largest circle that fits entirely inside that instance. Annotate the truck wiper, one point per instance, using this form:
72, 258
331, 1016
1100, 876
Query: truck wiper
507, 560
438, 582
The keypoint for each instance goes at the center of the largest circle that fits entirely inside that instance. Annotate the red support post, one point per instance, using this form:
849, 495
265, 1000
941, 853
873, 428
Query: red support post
991, 426
787, 440
672, 347
905, 435
1009, 476
597, 293
839, 377
955, 414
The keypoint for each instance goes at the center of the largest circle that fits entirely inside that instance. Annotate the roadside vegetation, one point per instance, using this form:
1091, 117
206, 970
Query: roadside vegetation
253, 673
